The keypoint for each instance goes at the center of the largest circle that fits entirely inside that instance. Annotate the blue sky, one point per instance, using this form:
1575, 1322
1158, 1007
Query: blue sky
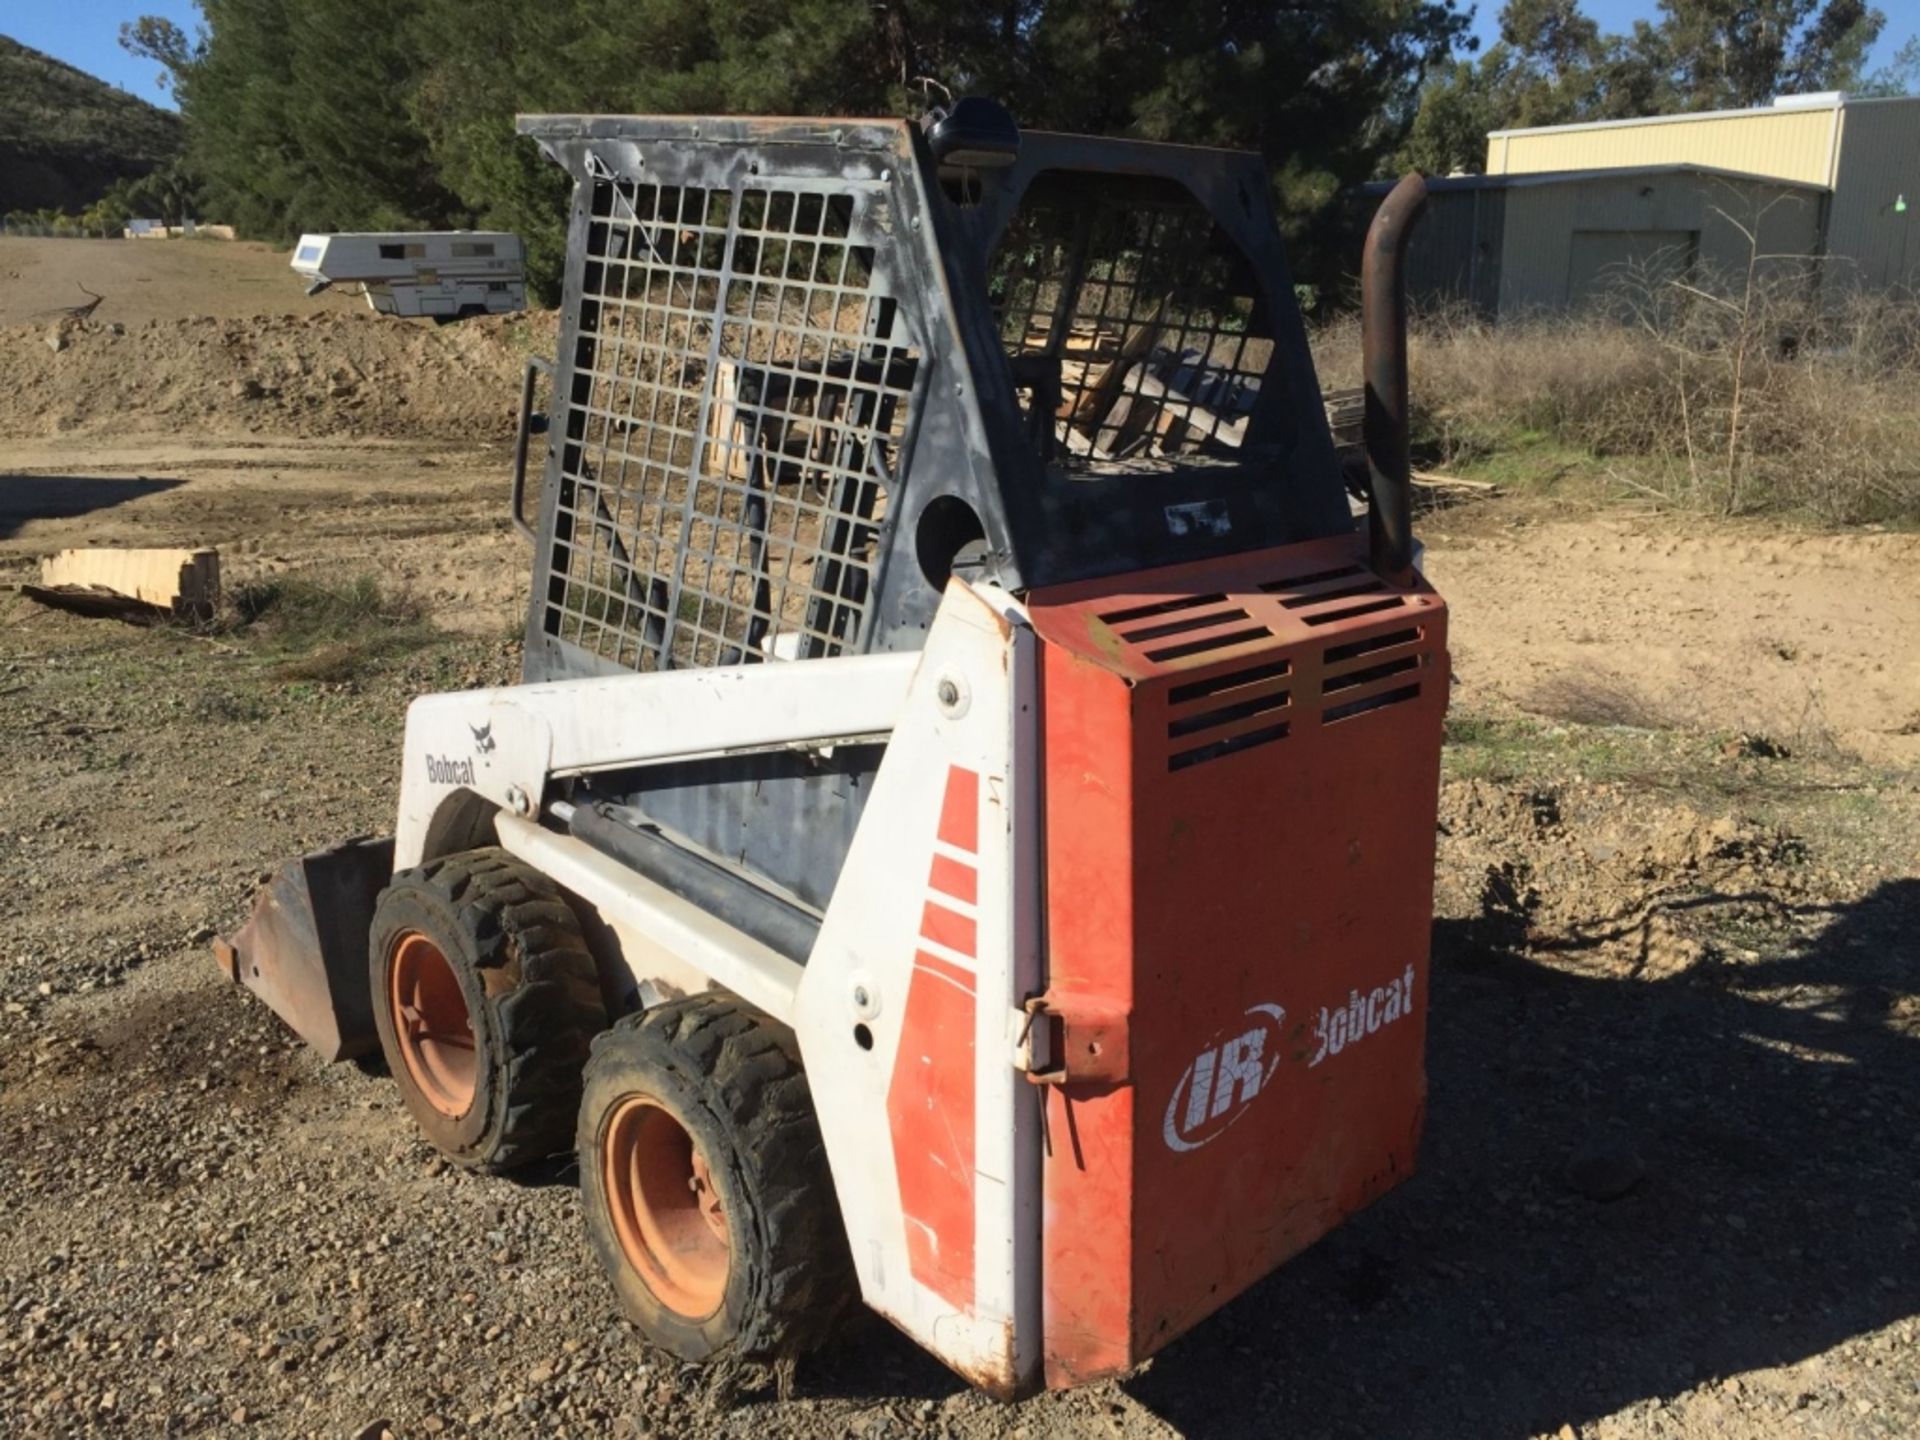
86, 33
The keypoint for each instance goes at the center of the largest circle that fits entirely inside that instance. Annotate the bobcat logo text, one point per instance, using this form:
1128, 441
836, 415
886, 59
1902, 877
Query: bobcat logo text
1334, 1029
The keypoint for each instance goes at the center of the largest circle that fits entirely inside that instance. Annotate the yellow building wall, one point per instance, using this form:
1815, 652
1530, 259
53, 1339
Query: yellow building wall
1788, 144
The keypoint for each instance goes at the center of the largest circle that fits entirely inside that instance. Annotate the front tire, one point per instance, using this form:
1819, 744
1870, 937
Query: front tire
486, 1002
704, 1183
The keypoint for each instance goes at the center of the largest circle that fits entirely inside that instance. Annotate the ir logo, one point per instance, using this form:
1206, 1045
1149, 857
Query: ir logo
1223, 1080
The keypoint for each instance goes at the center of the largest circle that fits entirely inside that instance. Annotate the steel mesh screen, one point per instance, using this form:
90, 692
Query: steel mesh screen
740, 401
1133, 326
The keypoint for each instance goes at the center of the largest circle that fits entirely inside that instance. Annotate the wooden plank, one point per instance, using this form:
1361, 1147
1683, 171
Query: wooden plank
1091, 408
1207, 424
1083, 337
1450, 482
1079, 444
185, 582
724, 431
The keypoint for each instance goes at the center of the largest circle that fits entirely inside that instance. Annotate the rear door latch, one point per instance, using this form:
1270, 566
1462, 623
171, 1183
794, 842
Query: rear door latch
1073, 1039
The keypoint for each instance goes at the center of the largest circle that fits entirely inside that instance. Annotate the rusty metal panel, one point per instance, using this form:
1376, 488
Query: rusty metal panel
1242, 769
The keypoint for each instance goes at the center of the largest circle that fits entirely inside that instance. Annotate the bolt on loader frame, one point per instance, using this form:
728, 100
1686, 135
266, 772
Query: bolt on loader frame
951, 646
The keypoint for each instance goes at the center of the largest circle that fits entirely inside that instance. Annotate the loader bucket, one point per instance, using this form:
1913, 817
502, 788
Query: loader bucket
304, 948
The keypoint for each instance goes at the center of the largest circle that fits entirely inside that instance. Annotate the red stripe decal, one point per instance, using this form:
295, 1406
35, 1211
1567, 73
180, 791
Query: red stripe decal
930, 1104
930, 1095
960, 810
948, 928
945, 969
950, 877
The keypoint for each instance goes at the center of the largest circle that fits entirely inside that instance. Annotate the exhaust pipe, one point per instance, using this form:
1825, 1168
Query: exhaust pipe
1383, 340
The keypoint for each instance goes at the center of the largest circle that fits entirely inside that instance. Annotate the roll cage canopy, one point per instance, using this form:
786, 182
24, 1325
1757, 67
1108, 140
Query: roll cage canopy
805, 370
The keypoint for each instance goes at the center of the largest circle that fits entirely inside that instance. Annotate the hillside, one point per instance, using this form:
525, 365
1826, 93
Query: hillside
66, 136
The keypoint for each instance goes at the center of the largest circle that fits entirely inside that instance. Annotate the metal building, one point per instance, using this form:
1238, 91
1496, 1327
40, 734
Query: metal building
1509, 245
1865, 153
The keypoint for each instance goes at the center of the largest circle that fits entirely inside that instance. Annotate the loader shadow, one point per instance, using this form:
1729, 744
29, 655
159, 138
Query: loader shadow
1779, 1214
66, 497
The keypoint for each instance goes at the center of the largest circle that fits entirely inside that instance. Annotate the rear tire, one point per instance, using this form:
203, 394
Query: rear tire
705, 1186
486, 1001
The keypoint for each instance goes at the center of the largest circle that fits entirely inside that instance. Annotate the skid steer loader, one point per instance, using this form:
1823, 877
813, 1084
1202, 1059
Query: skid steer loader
965, 834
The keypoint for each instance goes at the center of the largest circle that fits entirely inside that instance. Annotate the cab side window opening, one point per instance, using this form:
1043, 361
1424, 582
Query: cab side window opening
1133, 324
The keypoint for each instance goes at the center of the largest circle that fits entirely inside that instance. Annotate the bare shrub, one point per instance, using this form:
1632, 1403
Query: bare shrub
1599, 697
1737, 391
1571, 378
1336, 350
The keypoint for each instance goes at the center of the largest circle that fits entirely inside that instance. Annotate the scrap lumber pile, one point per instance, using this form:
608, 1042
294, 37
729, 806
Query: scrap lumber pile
1127, 395
1123, 396
1346, 413
1116, 396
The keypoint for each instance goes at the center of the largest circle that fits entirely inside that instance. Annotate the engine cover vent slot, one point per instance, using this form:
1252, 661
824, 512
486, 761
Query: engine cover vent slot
1326, 597
1368, 586
1163, 607
1353, 612
1228, 745
1229, 712
1336, 713
1334, 684
1243, 636
1183, 625
1354, 649
1232, 680
1203, 619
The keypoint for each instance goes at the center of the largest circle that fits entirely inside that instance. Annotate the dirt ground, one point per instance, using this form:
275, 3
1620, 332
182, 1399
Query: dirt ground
1680, 622
1669, 1186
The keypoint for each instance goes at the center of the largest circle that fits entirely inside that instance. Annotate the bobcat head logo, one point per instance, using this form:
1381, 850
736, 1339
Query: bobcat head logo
482, 738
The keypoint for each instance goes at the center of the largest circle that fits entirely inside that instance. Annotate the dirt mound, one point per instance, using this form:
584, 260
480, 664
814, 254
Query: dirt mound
1604, 881
315, 375
142, 280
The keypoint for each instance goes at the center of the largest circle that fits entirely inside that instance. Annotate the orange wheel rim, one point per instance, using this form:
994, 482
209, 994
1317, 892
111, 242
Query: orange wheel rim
666, 1212
431, 1022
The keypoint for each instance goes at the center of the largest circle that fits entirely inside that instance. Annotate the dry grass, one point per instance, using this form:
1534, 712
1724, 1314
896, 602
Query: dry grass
1734, 397
328, 633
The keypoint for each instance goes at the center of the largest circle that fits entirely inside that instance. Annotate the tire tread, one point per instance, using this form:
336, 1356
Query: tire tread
542, 988
747, 1068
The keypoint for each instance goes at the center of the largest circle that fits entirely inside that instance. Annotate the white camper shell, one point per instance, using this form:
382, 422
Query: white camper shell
448, 274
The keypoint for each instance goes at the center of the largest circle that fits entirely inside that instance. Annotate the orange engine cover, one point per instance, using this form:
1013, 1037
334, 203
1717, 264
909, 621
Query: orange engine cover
1241, 770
